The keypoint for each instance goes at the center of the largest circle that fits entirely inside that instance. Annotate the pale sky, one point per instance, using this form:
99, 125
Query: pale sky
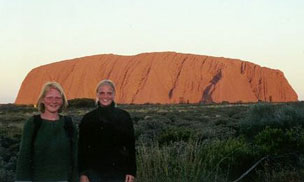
269, 33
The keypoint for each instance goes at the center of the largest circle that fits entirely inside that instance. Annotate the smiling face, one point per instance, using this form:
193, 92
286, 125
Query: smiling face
52, 101
105, 95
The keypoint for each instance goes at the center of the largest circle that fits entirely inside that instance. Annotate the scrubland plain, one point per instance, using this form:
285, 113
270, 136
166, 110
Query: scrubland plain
216, 142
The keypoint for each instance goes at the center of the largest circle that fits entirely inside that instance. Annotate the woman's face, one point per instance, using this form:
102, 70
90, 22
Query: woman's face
105, 95
52, 101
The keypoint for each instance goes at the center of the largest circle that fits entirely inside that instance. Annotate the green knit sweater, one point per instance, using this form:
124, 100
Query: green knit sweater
51, 160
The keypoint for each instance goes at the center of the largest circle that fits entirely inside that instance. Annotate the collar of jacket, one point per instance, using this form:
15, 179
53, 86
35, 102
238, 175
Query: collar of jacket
106, 108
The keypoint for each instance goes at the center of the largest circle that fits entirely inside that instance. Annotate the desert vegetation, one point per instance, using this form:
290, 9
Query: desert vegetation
216, 142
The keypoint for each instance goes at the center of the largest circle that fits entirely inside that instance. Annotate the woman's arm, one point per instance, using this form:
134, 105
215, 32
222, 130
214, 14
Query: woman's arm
75, 172
130, 144
82, 145
24, 162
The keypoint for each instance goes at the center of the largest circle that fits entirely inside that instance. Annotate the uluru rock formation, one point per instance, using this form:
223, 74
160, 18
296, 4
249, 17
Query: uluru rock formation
162, 77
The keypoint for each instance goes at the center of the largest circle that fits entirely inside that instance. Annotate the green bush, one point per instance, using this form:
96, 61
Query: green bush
217, 160
147, 130
82, 103
9, 146
13, 108
292, 175
277, 173
232, 156
174, 134
179, 161
261, 116
275, 141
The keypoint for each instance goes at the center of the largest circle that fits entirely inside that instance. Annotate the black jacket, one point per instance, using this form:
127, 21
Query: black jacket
107, 142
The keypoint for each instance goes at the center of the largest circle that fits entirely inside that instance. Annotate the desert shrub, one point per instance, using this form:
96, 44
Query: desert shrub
10, 131
13, 118
231, 157
148, 129
82, 103
275, 141
284, 149
9, 147
192, 160
283, 176
14, 109
6, 175
261, 116
290, 116
258, 117
179, 161
270, 171
276, 132
174, 134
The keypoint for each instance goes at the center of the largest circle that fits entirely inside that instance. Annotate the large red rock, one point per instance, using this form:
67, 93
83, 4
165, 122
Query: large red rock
165, 77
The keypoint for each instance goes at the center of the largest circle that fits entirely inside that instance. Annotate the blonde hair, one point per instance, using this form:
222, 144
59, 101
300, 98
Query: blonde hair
46, 87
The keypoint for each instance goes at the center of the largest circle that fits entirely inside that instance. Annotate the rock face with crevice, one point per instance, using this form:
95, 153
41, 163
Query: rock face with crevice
165, 78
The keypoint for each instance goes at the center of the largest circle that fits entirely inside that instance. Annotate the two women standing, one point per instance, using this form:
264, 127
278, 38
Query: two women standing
106, 141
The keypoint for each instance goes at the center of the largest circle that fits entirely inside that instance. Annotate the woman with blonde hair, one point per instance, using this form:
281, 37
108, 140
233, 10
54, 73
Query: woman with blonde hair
106, 140
49, 141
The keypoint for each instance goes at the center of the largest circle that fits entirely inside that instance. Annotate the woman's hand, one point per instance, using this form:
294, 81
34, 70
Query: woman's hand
84, 178
129, 178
